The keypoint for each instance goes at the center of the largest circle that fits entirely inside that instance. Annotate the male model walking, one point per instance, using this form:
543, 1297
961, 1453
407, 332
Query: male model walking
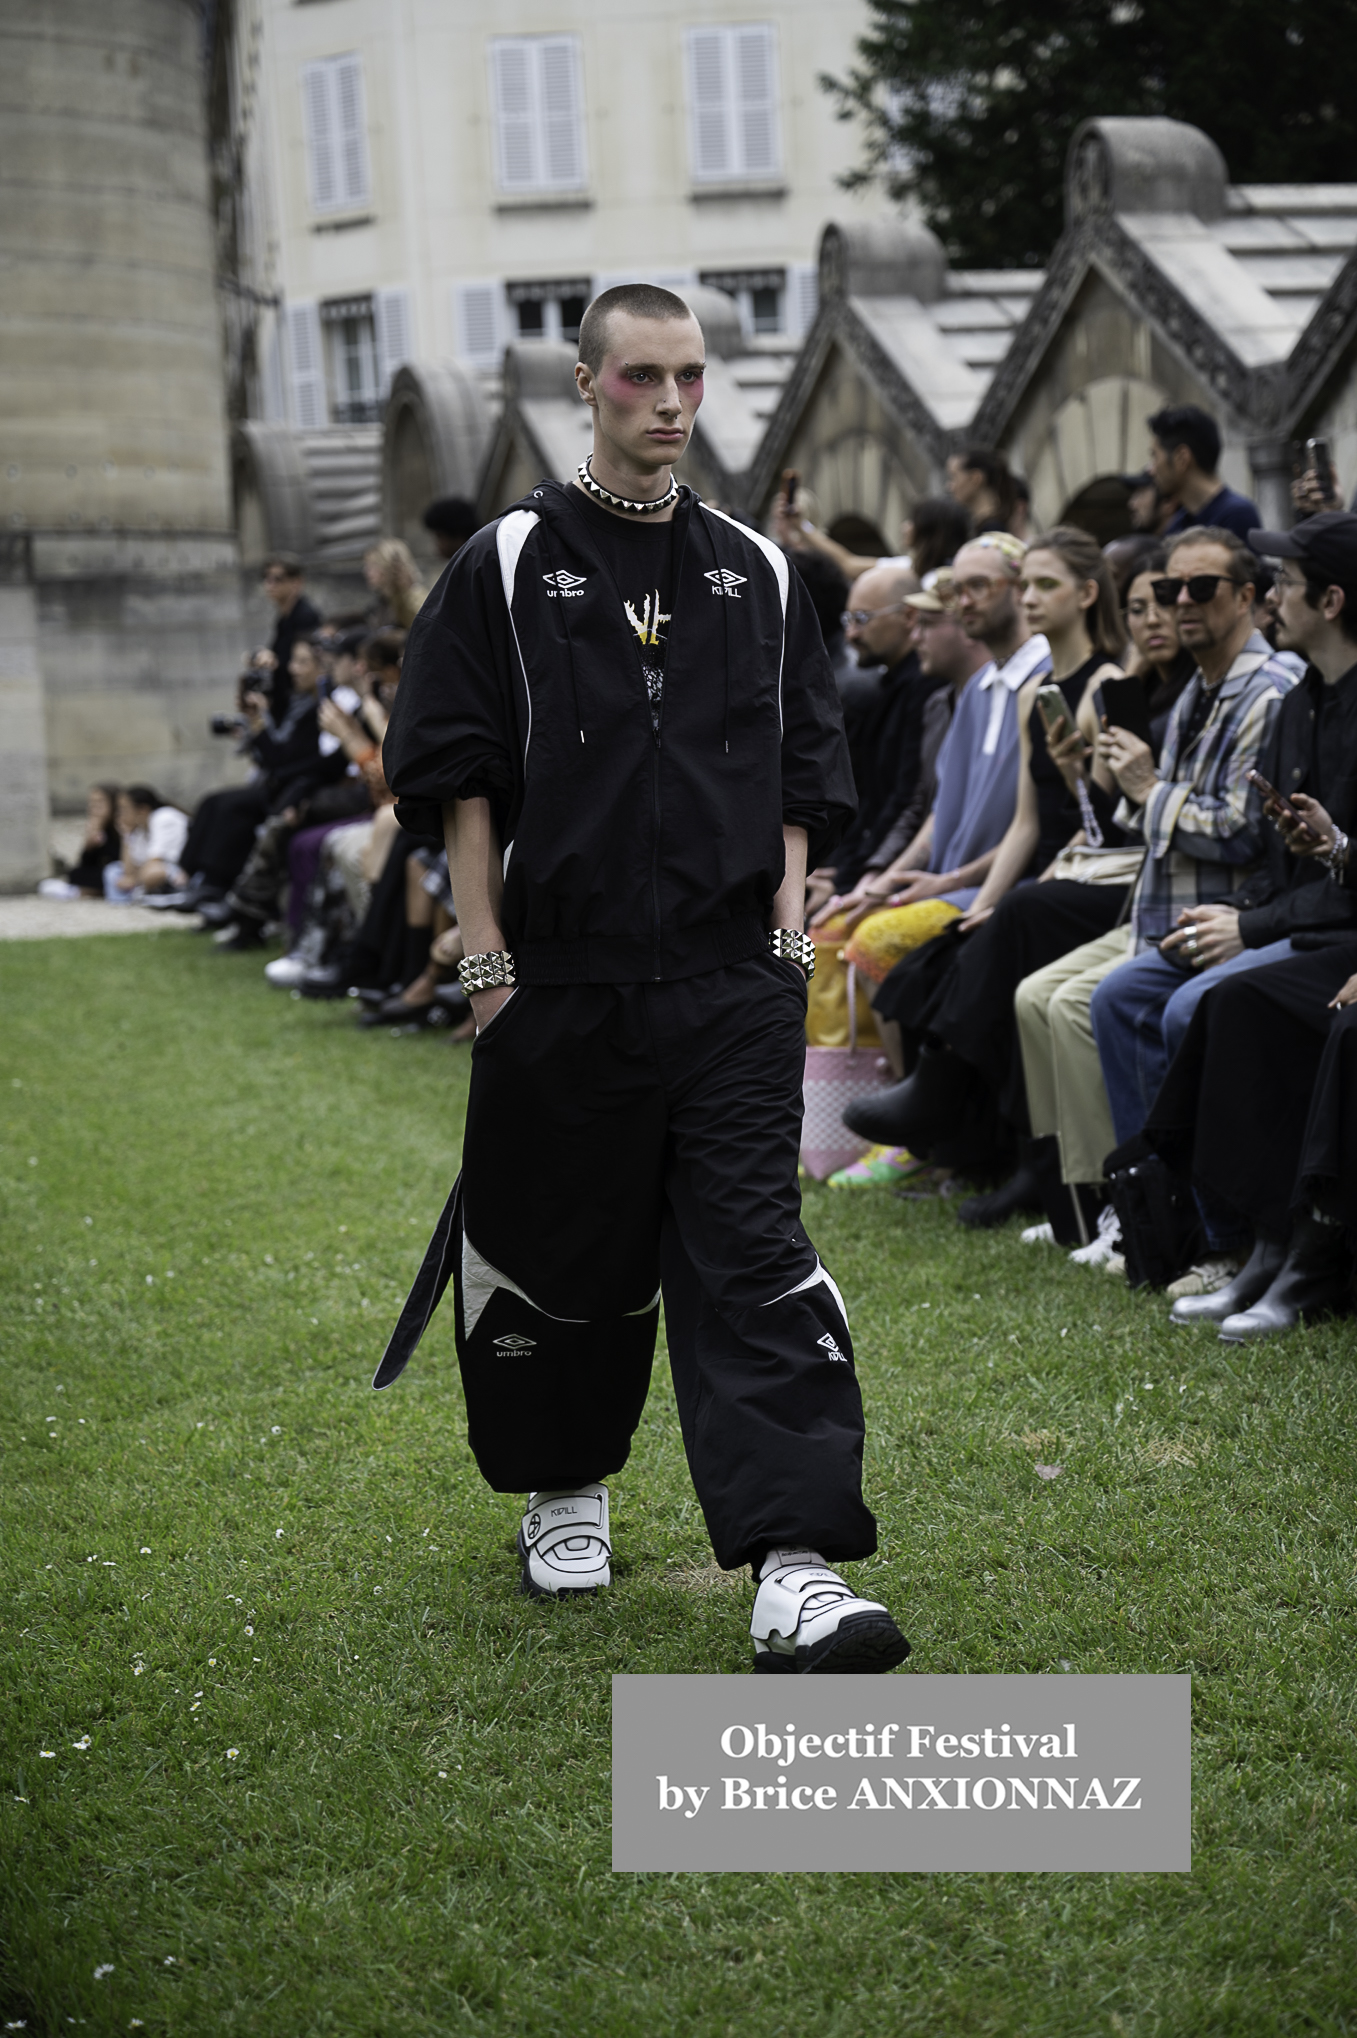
618, 708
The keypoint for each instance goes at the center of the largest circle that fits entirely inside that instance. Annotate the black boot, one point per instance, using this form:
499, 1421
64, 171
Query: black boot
1021, 1195
920, 1111
1315, 1280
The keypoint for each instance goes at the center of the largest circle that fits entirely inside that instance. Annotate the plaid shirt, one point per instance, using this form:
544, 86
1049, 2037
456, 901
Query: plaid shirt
1203, 822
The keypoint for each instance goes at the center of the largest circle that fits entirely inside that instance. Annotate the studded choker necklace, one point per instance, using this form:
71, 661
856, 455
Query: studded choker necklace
622, 502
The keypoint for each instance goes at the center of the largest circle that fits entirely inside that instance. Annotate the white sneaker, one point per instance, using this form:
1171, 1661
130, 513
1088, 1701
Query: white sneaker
1101, 1248
806, 1619
285, 972
1038, 1234
1206, 1279
564, 1543
57, 888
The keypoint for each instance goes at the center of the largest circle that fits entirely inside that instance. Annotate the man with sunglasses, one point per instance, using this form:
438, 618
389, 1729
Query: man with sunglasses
1200, 818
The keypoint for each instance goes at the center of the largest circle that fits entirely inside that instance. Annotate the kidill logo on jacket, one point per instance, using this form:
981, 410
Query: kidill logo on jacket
563, 583
723, 581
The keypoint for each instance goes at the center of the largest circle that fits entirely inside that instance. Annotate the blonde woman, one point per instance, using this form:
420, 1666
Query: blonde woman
391, 573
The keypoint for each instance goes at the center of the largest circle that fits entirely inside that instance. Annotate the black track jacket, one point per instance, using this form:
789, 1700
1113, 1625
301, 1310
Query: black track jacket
628, 856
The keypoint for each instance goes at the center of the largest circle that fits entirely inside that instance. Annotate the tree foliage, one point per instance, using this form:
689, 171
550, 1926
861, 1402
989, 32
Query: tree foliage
968, 106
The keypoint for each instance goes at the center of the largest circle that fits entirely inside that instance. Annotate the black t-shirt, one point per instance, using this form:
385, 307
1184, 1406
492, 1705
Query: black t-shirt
640, 557
1331, 764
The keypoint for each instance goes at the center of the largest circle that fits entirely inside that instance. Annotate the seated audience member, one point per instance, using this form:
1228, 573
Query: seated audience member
153, 835
1261, 1037
1120, 998
978, 479
937, 876
398, 593
296, 759
101, 846
930, 536
1184, 455
450, 521
884, 726
949, 659
953, 997
1159, 658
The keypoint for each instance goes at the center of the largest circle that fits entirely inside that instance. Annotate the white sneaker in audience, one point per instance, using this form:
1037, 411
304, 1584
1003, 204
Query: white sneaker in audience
285, 972
1100, 1249
57, 888
1038, 1234
1208, 1278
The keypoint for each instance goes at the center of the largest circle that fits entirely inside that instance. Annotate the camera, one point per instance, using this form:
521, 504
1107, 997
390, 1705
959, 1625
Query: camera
227, 725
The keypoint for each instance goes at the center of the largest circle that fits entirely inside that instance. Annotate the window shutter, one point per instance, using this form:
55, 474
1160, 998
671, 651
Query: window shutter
803, 298
320, 136
391, 318
515, 127
754, 64
310, 410
479, 317
708, 104
562, 137
355, 185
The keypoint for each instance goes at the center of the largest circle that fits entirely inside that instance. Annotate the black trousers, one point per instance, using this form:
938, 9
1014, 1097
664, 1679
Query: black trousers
1242, 1108
221, 834
625, 1141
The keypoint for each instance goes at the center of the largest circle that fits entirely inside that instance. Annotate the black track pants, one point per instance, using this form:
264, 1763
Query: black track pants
627, 1138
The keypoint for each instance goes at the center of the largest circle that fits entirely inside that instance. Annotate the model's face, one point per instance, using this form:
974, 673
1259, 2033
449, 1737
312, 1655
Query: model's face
1052, 599
1202, 624
1153, 630
648, 388
986, 594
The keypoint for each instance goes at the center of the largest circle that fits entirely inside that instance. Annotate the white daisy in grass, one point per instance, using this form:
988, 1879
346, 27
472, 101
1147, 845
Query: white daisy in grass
83, 1742
249, 1631
47, 1754
231, 1754
105, 1967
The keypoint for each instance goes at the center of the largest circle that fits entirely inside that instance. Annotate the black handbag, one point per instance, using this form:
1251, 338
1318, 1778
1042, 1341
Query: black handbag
1161, 1227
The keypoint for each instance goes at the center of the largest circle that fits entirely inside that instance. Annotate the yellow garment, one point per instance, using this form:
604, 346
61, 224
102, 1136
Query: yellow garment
827, 999
879, 941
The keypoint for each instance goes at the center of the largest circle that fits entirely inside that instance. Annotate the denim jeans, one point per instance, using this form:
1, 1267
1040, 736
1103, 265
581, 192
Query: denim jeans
1140, 1013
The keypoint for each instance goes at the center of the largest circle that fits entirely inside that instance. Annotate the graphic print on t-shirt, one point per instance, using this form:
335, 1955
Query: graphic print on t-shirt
651, 636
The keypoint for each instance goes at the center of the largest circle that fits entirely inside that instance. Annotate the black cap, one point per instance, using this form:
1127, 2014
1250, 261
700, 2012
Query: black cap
1327, 544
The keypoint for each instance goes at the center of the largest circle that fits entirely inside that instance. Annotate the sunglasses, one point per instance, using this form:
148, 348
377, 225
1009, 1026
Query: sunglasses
1201, 588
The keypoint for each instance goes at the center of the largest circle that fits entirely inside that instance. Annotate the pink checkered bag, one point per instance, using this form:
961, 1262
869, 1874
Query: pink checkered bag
834, 1076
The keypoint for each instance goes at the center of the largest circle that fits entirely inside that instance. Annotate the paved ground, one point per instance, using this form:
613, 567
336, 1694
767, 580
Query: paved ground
34, 919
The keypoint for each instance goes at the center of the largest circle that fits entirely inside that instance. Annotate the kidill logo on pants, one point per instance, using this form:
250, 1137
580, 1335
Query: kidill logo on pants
832, 1349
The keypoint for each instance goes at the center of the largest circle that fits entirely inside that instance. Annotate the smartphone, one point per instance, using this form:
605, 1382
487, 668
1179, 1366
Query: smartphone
1054, 708
1272, 798
1121, 704
1319, 462
791, 481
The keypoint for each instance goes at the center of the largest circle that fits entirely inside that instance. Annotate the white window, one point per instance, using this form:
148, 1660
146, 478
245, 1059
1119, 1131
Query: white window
392, 333
351, 360
306, 365
539, 119
803, 298
732, 103
479, 315
336, 134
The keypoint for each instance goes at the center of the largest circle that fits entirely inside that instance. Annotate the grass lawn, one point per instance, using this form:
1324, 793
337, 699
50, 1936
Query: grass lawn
317, 1768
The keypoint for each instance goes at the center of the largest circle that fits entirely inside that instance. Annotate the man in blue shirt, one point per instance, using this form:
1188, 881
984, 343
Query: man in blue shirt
1184, 455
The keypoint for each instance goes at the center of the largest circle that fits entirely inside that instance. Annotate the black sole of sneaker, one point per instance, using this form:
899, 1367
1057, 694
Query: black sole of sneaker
864, 1645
